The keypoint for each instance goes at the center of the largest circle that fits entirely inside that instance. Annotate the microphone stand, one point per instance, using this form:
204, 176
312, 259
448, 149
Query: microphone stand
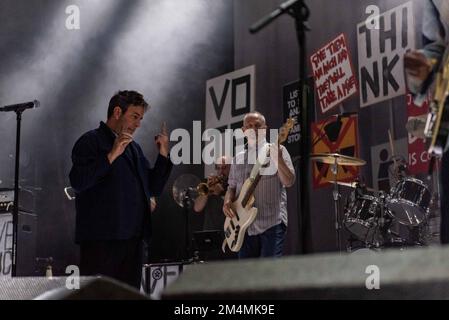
300, 13
18, 109
187, 203
15, 214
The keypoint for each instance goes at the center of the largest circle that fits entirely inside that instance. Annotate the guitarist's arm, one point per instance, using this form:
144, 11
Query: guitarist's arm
228, 200
286, 172
417, 68
420, 64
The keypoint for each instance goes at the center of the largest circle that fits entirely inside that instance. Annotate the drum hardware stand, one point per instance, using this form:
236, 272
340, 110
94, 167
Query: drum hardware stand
382, 209
334, 160
336, 197
433, 176
350, 246
382, 223
437, 178
388, 235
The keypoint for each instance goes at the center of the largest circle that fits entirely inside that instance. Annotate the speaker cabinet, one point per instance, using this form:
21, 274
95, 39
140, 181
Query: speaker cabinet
26, 244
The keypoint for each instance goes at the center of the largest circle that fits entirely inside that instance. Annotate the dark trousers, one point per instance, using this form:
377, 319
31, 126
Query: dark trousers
444, 196
267, 244
118, 259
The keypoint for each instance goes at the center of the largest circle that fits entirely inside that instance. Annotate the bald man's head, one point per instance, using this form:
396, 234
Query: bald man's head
254, 127
254, 115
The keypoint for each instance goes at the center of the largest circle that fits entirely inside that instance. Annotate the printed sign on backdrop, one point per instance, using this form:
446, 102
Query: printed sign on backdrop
335, 79
228, 98
334, 136
5, 245
292, 108
382, 163
156, 277
418, 157
381, 52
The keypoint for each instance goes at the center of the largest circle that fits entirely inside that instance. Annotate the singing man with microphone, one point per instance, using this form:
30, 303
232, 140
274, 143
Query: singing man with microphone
114, 183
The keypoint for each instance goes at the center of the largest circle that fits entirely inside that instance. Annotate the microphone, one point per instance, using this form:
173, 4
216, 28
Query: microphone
282, 8
273, 15
20, 106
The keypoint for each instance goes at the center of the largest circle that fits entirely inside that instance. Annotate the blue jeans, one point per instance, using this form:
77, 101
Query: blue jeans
266, 244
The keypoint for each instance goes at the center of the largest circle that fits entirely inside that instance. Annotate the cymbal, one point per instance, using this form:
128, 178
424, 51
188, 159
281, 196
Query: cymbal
342, 160
352, 185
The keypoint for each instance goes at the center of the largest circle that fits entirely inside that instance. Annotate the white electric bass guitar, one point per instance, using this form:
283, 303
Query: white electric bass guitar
244, 211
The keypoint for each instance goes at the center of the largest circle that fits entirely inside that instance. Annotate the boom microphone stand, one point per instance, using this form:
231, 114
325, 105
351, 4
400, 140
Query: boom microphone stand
300, 12
18, 109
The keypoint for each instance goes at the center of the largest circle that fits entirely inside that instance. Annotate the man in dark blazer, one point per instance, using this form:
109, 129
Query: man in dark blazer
114, 183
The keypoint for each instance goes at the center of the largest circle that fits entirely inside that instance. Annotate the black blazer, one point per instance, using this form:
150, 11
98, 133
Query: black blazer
113, 200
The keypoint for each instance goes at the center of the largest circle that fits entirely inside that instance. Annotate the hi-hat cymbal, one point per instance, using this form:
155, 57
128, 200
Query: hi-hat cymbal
336, 158
352, 185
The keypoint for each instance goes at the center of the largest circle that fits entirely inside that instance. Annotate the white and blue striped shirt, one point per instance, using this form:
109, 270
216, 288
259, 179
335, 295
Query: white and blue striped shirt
270, 195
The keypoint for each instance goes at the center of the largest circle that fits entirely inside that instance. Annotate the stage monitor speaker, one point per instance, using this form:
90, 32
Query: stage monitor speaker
91, 288
364, 274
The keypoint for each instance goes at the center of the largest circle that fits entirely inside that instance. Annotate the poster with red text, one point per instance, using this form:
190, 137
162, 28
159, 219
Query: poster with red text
334, 76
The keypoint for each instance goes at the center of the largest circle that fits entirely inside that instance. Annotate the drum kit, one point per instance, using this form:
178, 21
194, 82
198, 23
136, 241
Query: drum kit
371, 217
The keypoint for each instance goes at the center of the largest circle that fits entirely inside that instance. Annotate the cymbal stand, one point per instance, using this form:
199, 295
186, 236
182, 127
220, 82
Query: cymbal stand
381, 222
336, 197
434, 177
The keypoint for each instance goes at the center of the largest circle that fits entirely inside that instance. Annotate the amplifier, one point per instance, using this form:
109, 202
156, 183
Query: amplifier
26, 244
6, 200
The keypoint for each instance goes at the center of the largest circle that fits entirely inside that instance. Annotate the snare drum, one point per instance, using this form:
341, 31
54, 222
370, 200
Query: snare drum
361, 218
409, 201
